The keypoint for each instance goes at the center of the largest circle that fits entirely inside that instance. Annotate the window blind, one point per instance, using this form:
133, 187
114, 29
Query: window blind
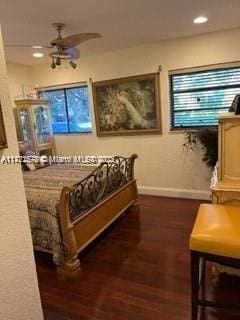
198, 98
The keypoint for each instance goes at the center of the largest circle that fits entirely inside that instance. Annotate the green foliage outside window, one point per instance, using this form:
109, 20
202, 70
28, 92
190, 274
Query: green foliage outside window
207, 138
70, 110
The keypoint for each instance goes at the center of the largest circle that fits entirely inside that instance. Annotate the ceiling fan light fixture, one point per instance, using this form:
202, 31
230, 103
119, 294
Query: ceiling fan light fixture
53, 64
37, 47
73, 64
38, 55
65, 47
58, 61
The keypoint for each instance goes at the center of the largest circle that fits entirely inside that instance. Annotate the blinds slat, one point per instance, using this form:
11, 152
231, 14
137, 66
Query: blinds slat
206, 79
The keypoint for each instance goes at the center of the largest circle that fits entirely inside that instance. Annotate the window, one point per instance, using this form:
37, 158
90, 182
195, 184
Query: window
199, 97
69, 109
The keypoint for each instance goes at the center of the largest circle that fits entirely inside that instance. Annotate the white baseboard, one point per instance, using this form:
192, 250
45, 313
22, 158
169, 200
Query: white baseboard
175, 193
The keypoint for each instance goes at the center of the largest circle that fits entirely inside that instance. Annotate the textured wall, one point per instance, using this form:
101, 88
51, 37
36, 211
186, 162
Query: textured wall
19, 295
163, 167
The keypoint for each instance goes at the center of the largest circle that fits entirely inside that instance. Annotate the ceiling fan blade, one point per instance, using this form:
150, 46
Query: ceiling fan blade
75, 39
17, 46
28, 46
73, 52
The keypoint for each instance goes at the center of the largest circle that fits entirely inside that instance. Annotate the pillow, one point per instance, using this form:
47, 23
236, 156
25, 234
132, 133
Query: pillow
43, 161
36, 163
26, 148
30, 166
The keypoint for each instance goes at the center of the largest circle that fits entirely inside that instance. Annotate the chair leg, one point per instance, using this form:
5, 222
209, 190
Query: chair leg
203, 285
195, 259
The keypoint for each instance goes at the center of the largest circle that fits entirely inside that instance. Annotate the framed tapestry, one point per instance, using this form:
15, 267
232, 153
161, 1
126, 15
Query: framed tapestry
127, 106
3, 140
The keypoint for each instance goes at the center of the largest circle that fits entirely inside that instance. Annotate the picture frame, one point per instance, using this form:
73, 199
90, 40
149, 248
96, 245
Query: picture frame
3, 139
127, 106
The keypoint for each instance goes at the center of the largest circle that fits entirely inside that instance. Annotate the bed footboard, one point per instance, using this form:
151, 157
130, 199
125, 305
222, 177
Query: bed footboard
93, 204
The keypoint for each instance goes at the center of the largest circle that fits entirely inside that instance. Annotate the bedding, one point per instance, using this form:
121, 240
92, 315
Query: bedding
43, 188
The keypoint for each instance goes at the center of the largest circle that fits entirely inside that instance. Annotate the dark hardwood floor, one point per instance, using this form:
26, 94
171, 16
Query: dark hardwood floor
139, 269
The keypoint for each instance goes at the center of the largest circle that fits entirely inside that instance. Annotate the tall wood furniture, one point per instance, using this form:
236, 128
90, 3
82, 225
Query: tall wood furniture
34, 124
227, 189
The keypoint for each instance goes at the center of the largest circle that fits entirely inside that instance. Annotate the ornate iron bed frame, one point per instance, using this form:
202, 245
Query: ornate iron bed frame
91, 205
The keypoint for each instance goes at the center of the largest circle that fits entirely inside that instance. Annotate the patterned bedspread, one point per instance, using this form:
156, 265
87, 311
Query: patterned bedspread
43, 188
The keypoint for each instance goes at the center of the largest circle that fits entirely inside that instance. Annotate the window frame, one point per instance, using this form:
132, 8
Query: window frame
64, 89
195, 70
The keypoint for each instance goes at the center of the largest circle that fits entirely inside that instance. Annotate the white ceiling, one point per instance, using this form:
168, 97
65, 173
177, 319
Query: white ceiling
122, 23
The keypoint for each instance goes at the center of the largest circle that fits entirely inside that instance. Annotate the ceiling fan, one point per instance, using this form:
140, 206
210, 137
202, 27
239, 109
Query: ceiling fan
65, 47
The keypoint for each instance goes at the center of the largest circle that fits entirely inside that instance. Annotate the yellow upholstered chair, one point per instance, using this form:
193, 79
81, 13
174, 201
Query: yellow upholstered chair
215, 237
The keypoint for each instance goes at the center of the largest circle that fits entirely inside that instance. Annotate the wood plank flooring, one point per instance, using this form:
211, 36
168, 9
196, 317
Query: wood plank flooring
139, 269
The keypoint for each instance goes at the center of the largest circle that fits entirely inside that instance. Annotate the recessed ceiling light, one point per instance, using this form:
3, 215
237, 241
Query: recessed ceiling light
38, 54
200, 19
37, 47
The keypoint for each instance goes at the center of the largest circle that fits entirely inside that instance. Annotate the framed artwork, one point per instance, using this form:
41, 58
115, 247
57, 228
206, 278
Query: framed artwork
3, 140
127, 106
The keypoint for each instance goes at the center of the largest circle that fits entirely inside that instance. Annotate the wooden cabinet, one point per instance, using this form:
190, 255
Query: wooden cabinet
227, 189
34, 124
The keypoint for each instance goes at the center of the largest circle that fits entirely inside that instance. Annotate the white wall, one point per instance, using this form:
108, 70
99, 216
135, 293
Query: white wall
18, 76
163, 166
19, 294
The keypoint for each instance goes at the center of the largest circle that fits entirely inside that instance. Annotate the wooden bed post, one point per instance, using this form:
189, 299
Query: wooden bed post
135, 204
72, 264
80, 225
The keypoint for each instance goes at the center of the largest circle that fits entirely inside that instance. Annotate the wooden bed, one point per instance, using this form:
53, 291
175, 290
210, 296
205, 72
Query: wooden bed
91, 205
